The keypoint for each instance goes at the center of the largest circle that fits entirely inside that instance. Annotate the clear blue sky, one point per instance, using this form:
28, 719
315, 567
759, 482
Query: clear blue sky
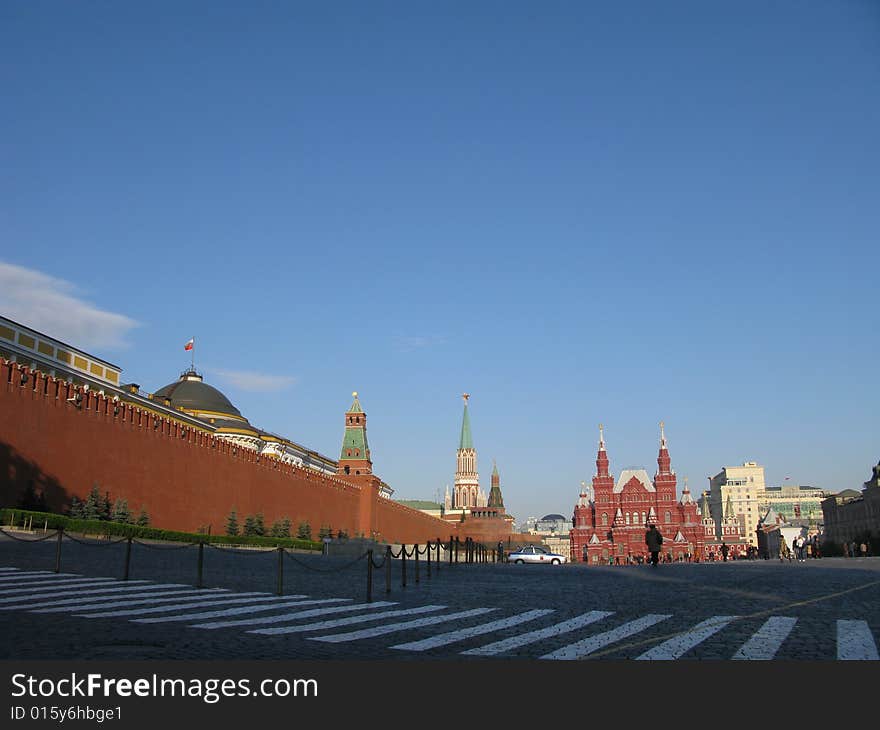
577, 212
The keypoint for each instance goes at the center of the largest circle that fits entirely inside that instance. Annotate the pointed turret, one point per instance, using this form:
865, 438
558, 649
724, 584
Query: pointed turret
664, 479
496, 501
354, 458
466, 491
602, 456
664, 463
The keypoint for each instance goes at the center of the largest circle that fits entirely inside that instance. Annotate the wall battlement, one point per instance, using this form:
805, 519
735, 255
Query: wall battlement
59, 439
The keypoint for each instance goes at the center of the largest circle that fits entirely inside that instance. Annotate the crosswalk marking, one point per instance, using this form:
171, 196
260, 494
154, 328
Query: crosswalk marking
78, 583
593, 643
347, 621
855, 641
6, 579
531, 637
679, 645
129, 587
391, 628
295, 616
227, 599
451, 637
765, 642
236, 611
97, 603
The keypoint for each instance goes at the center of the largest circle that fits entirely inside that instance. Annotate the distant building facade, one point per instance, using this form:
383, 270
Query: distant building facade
741, 487
797, 504
851, 517
609, 521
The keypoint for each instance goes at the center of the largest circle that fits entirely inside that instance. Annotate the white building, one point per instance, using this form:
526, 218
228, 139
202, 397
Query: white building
744, 487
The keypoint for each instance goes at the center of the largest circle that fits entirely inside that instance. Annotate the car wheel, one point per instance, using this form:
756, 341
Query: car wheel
518, 561
555, 561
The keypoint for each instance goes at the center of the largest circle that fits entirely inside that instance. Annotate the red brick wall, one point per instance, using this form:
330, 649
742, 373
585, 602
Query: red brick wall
185, 479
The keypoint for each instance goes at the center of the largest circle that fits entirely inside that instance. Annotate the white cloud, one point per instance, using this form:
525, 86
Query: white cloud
255, 382
52, 306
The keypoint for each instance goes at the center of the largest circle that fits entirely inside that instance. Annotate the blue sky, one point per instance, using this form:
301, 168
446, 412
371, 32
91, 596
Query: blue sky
577, 212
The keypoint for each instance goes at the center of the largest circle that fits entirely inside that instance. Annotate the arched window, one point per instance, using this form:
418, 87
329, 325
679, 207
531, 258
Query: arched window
627, 518
604, 518
644, 518
667, 517
348, 470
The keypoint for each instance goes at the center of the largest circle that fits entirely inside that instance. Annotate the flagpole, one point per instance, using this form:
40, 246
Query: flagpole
193, 361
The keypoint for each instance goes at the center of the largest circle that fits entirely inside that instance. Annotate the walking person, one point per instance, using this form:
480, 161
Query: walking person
863, 549
724, 551
653, 539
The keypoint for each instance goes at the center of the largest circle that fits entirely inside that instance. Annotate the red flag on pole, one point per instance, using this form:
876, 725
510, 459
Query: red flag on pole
189, 345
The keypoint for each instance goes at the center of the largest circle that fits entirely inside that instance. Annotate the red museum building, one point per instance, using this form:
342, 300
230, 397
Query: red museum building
609, 525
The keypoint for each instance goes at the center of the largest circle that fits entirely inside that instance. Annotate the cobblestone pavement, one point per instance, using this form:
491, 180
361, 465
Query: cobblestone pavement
826, 609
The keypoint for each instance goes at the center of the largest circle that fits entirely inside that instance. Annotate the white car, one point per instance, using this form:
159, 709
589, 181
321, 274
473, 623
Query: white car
535, 554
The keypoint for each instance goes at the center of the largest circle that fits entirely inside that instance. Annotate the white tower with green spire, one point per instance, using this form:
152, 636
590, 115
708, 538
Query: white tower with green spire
466, 490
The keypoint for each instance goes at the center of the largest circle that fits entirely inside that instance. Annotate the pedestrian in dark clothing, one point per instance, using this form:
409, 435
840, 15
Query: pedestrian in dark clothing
724, 550
653, 539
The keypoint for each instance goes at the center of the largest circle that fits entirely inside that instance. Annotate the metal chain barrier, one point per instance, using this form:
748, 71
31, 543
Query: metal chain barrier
29, 539
93, 543
239, 551
330, 570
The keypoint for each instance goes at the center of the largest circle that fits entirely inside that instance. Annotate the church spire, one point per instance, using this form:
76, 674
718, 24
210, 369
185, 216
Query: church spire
663, 461
466, 491
467, 441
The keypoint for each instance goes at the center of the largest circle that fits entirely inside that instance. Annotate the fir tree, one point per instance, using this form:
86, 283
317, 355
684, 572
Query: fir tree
304, 531
76, 508
342, 534
250, 526
91, 509
232, 523
281, 528
105, 507
121, 512
325, 531
143, 519
259, 525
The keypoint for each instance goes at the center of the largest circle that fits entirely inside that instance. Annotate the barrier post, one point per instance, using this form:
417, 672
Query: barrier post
280, 588
428, 545
127, 558
450, 549
370, 575
388, 569
416, 551
201, 564
403, 565
58, 550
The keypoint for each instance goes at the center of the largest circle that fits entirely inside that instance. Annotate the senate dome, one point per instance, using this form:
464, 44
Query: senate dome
194, 396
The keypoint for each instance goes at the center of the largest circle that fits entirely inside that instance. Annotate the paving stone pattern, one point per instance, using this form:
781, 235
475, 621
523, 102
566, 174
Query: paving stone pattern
827, 609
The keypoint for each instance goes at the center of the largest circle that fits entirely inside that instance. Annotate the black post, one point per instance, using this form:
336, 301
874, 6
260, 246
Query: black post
58, 550
388, 569
428, 550
493, 556
457, 544
403, 565
416, 551
450, 549
280, 589
201, 563
127, 559
438, 555
369, 576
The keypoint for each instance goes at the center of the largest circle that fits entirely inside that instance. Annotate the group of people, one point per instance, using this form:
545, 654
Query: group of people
855, 550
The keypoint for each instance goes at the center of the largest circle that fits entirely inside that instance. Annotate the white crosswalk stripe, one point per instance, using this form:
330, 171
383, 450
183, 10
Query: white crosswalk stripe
765, 642
391, 628
6, 580
97, 603
451, 637
84, 590
347, 621
681, 644
228, 599
594, 643
235, 611
855, 641
78, 583
296, 615
118, 588
514, 642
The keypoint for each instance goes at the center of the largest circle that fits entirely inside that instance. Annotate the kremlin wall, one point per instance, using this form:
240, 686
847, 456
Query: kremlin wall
60, 438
